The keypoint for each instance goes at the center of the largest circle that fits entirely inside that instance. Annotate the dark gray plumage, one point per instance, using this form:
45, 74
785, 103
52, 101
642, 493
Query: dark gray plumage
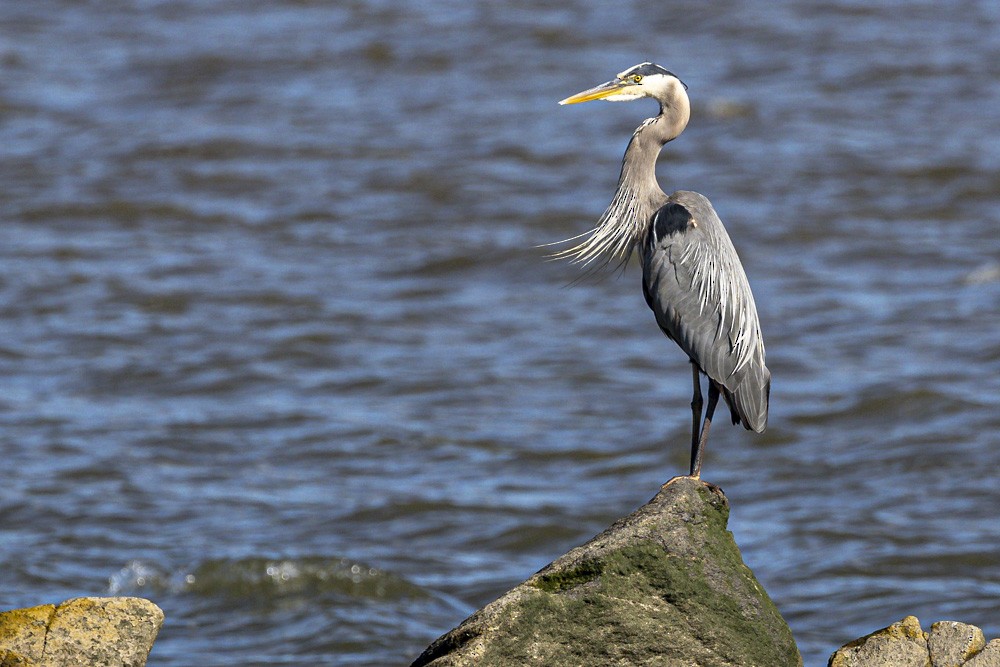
692, 277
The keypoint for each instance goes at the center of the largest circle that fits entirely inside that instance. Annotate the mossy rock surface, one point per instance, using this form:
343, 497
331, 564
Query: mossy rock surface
665, 585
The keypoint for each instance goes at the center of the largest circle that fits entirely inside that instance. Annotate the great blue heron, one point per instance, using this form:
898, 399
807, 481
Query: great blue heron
691, 275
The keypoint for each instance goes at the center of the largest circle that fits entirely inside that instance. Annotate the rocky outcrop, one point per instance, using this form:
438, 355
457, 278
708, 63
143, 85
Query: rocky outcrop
666, 585
905, 644
82, 632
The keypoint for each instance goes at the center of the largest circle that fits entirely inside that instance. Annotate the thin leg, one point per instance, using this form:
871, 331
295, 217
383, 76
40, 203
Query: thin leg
695, 413
713, 399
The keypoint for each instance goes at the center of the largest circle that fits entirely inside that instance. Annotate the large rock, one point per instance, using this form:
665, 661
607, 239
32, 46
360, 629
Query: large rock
666, 585
82, 632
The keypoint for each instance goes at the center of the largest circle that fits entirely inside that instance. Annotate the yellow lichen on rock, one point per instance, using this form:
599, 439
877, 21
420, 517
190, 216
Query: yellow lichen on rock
83, 632
988, 657
12, 659
104, 631
952, 643
22, 631
902, 644
910, 628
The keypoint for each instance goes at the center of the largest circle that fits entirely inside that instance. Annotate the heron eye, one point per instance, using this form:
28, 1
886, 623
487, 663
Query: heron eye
636, 78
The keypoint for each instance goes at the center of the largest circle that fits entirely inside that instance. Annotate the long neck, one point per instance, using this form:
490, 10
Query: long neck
623, 224
639, 164
639, 194
638, 174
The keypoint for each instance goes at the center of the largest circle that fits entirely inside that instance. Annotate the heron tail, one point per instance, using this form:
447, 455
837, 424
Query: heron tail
748, 400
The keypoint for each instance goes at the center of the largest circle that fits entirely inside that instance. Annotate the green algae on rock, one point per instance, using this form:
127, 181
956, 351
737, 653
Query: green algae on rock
665, 585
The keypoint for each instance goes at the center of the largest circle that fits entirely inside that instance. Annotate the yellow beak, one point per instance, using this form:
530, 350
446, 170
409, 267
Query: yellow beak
606, 89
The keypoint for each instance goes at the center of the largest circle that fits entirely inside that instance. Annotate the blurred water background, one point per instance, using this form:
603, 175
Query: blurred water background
279, 351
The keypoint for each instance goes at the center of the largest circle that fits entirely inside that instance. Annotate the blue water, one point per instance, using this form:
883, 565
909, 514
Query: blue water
280, 352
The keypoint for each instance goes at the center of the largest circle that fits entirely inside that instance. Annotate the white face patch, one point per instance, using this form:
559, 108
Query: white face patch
648, 86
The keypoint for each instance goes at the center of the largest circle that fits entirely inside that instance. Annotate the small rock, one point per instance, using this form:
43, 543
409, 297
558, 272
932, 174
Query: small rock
952, 643
988, 657
114, 632
902, 644
83, 632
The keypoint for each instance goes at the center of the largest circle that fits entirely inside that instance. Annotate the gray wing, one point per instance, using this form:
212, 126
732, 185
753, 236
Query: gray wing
695, 285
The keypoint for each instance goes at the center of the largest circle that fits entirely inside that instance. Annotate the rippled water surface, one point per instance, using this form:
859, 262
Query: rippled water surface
279, 350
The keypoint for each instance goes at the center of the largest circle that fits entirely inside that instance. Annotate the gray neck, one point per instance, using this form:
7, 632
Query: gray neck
638, 175
623, 224
639, 194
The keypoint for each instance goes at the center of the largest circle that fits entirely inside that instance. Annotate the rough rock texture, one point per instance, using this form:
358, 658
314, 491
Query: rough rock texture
905, 644
666, 586
111, 632
989, 657
11, 659
951, 643
22, 631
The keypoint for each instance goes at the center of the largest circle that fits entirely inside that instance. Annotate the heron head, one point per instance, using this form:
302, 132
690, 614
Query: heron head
642, 80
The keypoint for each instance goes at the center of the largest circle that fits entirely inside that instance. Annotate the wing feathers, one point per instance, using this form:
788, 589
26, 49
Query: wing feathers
697, 289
